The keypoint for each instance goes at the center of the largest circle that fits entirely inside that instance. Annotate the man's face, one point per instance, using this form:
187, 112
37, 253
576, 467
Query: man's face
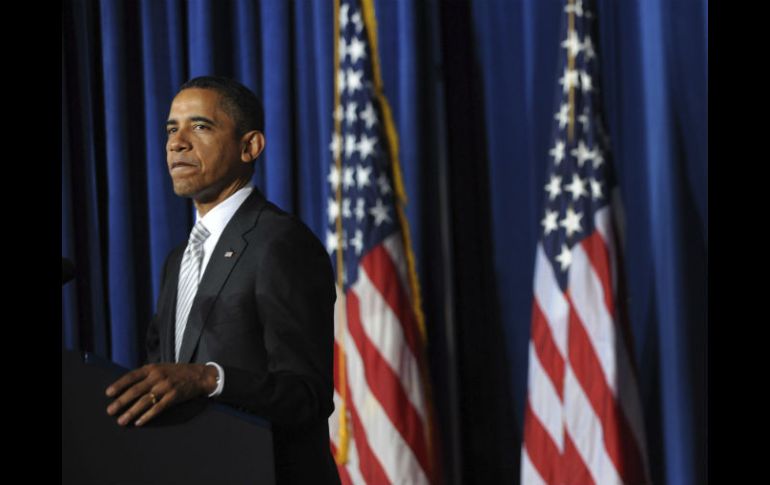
203, 149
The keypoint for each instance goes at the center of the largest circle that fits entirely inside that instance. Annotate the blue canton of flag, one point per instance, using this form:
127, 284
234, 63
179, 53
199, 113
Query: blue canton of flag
579, 172
368, 210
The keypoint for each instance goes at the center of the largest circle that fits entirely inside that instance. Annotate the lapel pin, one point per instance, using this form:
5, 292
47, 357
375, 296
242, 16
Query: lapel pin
229, 254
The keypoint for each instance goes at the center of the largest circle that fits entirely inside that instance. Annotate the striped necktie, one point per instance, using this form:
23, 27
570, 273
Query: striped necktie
189, 276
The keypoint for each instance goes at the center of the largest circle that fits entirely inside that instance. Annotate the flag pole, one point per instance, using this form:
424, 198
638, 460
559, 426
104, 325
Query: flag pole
341, 456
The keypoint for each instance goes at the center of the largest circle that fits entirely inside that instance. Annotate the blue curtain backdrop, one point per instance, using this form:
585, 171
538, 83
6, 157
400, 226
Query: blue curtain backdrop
471, 86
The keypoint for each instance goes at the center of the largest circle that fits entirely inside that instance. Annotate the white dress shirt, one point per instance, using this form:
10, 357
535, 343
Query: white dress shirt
217, 218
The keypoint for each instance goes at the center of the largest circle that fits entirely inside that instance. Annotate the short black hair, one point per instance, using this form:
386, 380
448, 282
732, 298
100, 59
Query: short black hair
238, 101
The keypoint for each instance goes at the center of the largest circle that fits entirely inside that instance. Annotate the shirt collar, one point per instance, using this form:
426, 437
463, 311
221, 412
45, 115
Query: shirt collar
217, 218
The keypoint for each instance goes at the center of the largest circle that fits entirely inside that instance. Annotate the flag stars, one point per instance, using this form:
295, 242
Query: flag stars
356, 19
335, 146
553, 187
382, 182
369, 116
549, 221
562, 116
354, 80
334, 177
356, 50
598, 157
350, 113
564, 258
596, 189
332, 210
568, 81
380, 213
585, 82
571, 222
330, 242
557, 152
346, 209
358, 242
366, 146
344, 10
576, 8
582, 153
572, 44
347, 177
583, 119
350, 145
362, 176
577, 187
360, 209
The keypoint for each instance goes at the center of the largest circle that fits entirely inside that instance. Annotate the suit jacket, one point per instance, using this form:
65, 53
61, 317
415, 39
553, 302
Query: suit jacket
265, 314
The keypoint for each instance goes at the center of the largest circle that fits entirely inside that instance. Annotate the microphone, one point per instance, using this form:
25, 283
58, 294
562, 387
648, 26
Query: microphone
67, 270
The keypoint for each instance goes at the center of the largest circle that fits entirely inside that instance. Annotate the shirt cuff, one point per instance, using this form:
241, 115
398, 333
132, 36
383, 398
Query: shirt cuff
220, 379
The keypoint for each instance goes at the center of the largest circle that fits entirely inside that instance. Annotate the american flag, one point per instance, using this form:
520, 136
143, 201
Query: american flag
583, 420
381, 427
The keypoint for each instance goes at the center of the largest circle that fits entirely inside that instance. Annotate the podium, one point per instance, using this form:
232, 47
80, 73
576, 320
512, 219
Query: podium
197, 442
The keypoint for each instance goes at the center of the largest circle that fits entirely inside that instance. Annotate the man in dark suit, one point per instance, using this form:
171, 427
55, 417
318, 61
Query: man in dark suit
245, 311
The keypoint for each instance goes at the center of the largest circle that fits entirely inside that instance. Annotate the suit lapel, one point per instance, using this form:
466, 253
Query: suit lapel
167, 339
218, 270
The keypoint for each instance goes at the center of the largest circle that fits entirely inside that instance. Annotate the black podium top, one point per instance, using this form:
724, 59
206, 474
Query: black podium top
197, 442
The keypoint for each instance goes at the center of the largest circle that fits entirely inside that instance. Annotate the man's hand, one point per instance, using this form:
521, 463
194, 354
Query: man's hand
155, 387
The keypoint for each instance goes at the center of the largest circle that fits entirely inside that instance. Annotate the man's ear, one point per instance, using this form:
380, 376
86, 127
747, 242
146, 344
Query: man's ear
252, 144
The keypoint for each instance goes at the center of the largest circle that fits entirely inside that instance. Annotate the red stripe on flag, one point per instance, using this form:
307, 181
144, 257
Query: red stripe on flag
619, 441
622, 307
384, 276
386, 387
542, 451
342, 470
368, 463
599, 257
550, 357
575, 470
